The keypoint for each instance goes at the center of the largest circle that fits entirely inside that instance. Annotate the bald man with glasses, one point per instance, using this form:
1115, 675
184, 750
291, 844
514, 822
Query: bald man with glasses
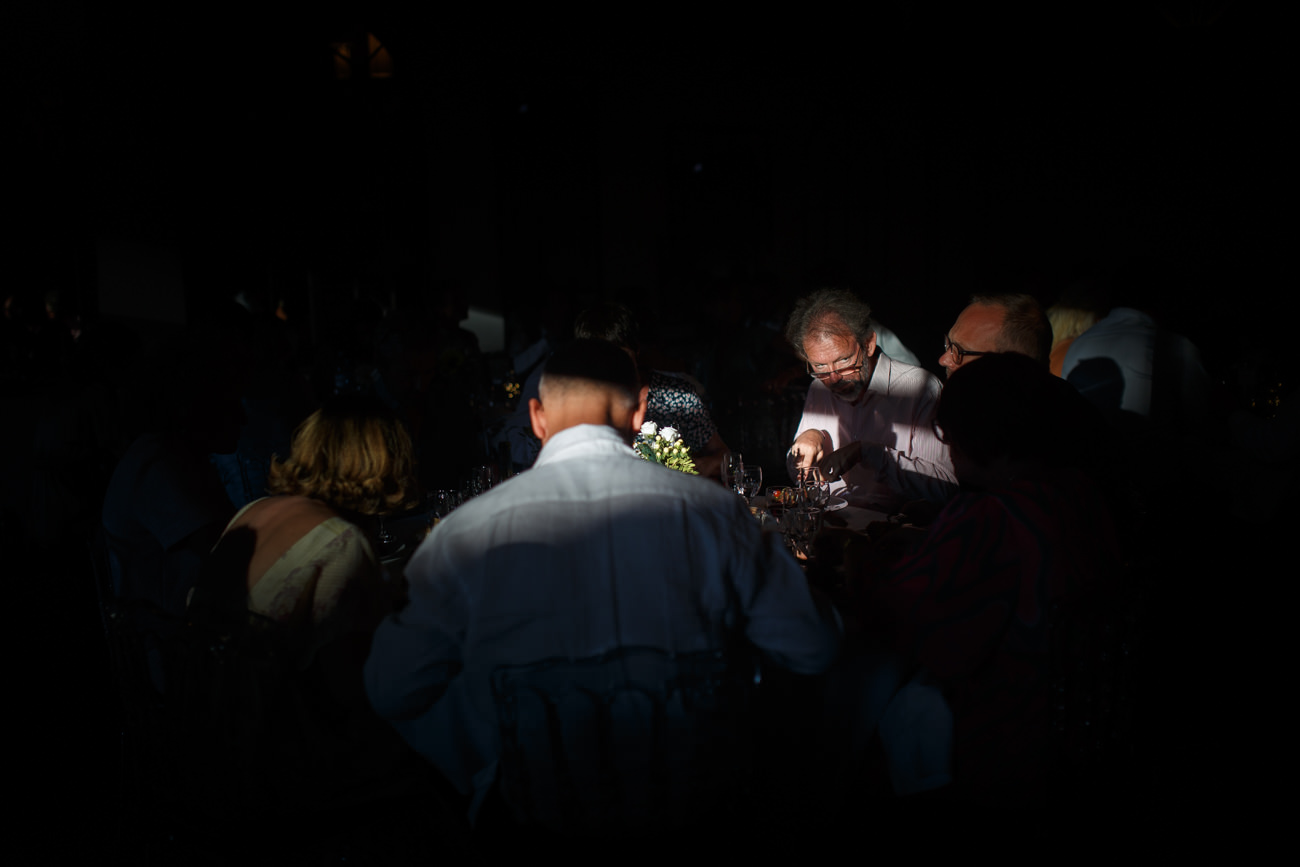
867, 420
992, 324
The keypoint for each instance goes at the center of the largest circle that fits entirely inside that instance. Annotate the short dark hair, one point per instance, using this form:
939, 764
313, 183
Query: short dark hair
608, 321
597, 362
812, 313
1025, 327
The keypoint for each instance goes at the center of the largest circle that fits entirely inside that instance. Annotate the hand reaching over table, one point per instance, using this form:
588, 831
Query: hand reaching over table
808, 450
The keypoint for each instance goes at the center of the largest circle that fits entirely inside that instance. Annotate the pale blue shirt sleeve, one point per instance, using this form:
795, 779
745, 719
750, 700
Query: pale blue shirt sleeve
789, 622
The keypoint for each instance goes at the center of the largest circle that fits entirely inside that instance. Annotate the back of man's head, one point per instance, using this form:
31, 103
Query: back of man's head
589, 363
1025, 327
587, 382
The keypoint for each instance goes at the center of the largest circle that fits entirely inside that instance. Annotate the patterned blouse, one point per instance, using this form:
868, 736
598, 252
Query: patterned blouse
674, 402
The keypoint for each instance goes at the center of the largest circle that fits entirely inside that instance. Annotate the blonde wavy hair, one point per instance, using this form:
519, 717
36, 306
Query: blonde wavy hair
1069, 322
353, 454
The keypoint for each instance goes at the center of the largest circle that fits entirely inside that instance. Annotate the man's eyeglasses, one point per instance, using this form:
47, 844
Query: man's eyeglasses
959, 353
841, 372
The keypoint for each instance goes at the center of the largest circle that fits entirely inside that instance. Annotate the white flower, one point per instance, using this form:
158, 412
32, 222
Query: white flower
649, 429
669, 434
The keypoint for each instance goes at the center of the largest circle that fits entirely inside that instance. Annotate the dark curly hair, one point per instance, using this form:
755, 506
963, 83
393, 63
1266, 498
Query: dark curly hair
828, 311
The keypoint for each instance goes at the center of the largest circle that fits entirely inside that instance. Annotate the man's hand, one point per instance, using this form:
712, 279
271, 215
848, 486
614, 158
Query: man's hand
809, 449
839, 462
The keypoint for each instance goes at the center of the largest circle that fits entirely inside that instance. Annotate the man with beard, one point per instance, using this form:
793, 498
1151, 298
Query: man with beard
867, 420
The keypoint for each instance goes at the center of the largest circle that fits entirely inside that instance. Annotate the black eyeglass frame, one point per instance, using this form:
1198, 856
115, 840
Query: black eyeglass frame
959, 353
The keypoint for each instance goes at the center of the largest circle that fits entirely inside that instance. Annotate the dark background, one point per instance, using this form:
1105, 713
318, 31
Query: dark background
168, 160
173, 159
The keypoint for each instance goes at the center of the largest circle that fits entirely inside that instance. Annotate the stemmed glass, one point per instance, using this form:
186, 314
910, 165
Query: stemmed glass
733, 468
816, 487
752, 481
384, 540
439, 504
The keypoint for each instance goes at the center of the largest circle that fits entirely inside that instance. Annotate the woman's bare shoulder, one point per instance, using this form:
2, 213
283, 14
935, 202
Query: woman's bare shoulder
283, 512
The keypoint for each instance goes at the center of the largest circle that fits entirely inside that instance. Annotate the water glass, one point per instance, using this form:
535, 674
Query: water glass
800, 526
816, 487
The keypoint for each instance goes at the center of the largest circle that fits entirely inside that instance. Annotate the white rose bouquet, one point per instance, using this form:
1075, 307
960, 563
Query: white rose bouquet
664, 446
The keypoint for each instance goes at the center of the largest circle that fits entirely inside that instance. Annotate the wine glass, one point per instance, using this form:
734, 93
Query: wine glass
817, 487
385, 541
752, 481
733, 467
440, 504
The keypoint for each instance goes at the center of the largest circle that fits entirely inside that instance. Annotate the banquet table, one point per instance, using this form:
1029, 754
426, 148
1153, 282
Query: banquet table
840, 517
407, 530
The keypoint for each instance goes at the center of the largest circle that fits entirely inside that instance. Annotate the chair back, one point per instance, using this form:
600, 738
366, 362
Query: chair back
143, 643
630, 740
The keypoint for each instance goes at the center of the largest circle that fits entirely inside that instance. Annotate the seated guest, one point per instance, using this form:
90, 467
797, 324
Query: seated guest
1130, 367
867, 418
1075, 312
303, 560
312, 565
672, 401
997, 323
165, 505
1029, 528
590, 557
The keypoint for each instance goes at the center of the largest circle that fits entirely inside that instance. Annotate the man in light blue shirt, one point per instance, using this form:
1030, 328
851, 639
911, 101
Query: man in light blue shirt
591, 552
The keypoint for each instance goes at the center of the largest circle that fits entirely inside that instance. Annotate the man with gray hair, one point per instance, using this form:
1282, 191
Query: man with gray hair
867, 420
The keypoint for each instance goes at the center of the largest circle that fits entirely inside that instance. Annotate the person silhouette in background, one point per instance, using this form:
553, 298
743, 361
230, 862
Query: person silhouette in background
165, 505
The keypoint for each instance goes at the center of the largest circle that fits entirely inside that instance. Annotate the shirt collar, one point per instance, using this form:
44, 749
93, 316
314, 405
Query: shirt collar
581, 441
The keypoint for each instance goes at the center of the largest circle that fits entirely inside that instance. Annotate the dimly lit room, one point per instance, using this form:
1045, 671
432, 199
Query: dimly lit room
357, 277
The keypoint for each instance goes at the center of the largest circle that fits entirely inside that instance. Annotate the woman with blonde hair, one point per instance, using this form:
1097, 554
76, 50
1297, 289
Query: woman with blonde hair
299, 568
312, 566
1077, 310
